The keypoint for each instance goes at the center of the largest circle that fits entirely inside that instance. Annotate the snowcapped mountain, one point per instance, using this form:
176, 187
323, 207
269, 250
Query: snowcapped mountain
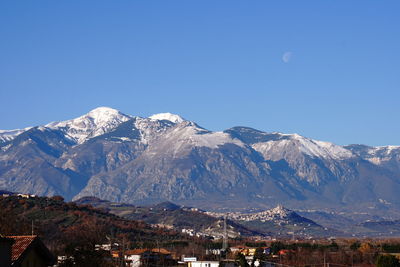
376, 155
387, 157
315, 161
8, 135
277, 144
187, 135
168, 117
312, 148
119, 157
95, 123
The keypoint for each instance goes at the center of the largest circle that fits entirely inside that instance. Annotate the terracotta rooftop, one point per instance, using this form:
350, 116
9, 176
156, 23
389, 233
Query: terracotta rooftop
21, 243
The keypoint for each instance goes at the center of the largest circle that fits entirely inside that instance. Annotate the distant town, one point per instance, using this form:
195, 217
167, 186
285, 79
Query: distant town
46, 231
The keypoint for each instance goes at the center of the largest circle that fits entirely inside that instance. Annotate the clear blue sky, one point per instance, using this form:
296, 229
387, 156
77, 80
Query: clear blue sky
328, 70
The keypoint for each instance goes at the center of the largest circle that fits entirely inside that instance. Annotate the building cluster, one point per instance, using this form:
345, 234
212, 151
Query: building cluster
21, 251
159, 257
249, 251
18, 195
192, 232
278, 214
144, 257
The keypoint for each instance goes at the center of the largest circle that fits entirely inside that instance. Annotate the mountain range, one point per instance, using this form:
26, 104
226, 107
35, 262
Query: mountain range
121, 158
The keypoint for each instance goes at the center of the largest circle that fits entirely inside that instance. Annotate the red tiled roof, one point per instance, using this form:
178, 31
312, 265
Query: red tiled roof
21, 243
135, 251
161, 250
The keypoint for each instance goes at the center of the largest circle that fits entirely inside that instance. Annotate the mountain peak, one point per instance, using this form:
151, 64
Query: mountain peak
96, 122
104, 114
168, 117
101, 110
281, 210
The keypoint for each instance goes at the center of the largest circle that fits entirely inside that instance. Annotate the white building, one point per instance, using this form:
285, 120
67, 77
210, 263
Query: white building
203, 264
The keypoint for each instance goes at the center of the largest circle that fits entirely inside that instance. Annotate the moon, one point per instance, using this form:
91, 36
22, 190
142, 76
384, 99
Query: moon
286, 56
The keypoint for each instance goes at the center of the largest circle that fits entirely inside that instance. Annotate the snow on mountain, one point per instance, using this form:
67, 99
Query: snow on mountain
187, 135
380, 154
187, 162
383, 150
96, 122
167, 116
150, 129
289, 142
8, 135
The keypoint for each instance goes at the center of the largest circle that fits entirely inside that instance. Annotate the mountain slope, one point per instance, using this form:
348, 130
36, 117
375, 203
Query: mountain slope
170, 215
26, 164
8, 135
119, 157
96, 122
279, 221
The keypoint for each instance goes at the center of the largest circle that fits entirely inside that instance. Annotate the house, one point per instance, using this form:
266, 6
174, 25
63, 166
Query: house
237, 249
26, 195
26, 251
146, 257
107, 247
203, 264
266, 250
133, 257
247, 251
213, 251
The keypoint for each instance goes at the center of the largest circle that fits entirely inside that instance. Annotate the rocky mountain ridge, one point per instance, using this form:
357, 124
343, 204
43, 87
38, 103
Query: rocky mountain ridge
124, 158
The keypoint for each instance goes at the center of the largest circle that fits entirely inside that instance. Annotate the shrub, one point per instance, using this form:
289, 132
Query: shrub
387, 261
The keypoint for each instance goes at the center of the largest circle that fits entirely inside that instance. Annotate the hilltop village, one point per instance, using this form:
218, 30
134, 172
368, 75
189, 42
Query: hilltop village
45, 231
